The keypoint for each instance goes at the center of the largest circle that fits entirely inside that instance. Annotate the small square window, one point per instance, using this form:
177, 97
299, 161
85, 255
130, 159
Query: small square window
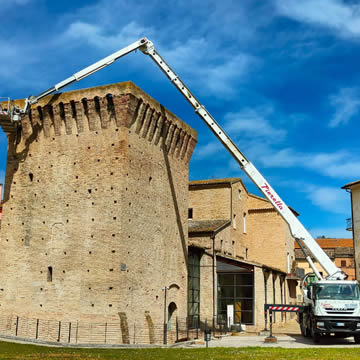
343, 263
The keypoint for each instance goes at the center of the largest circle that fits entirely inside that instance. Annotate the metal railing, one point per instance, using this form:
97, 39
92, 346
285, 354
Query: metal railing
82, 332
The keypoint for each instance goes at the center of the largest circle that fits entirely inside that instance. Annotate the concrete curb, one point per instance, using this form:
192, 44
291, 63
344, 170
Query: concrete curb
20, 340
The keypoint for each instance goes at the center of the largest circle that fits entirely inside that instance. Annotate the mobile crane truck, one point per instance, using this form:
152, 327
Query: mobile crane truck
332, 304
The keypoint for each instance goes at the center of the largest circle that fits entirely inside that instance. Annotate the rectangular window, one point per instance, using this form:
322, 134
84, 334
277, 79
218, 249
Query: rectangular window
236, 289
343, 263
194, 287
288, 263
239, 194
190, 213
234, 221
244, 223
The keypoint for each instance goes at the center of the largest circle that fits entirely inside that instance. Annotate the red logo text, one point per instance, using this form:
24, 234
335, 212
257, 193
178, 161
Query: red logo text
277, 202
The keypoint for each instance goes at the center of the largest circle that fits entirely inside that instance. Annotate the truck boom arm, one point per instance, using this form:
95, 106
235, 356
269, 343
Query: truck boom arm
146, 46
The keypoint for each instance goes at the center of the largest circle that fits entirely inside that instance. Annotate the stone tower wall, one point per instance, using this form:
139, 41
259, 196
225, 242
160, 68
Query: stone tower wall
96, 197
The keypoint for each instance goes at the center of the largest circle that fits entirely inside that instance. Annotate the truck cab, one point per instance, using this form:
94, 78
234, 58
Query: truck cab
331, 307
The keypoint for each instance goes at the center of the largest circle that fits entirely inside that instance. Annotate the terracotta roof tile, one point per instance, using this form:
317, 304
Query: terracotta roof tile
332, 243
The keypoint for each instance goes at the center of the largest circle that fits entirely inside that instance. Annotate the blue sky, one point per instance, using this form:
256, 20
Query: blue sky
281, 76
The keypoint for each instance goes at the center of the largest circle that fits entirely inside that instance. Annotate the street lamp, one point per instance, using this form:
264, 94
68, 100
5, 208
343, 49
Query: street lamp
165, 322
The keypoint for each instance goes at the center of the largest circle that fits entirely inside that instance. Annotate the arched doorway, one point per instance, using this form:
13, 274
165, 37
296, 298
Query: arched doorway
172, 311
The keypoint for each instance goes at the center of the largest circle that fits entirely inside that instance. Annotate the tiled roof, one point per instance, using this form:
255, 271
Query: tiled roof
332, 243
351, 184
196, 226
215, 181
225, 181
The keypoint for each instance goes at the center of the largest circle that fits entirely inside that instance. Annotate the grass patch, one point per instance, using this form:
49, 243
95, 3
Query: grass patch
24, 352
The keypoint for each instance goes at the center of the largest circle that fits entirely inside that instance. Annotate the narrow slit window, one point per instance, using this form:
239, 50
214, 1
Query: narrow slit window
190, 213
234, 221
244, 223
50, 274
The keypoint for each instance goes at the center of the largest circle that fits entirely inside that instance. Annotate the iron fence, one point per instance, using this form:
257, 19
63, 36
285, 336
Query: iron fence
82, 332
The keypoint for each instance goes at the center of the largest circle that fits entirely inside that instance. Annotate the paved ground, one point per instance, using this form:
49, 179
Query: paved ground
288, 336
285, 341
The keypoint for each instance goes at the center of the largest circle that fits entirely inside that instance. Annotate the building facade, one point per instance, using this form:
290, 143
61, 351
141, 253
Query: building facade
340, 251
95, 209
354, 189
232, 237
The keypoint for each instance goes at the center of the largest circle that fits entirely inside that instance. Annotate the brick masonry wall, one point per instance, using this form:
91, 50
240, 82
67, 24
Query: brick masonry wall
97, 189
239, 210
268, 232
265, 234
210, 203
225, 203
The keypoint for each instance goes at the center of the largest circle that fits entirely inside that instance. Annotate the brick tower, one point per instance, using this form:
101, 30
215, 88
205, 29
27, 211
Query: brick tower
95, 214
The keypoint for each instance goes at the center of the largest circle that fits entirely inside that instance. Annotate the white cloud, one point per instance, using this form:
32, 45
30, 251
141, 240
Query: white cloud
198, 58
15, 61
346, 104
11, 60
254, 123
328, 198
342, 18
99, 38
261, 143
215, 70
339, 165
208, 150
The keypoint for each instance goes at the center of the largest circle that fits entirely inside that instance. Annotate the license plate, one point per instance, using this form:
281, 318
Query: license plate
340, 324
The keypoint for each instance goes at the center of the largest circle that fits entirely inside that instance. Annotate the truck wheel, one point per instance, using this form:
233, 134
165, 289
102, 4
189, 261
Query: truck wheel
304, 330
315, 336
357, 339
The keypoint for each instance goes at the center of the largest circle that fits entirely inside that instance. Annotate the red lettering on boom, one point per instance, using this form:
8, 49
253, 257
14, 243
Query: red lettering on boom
278, 203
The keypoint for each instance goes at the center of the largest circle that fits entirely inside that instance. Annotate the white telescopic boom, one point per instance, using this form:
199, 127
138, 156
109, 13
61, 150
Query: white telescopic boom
147, 47
296, 228
87, 71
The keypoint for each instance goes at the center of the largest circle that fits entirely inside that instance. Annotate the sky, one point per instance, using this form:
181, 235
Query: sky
281, 77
